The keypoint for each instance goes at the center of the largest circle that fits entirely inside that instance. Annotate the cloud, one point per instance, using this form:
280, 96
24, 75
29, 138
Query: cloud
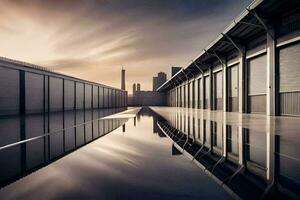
92, 39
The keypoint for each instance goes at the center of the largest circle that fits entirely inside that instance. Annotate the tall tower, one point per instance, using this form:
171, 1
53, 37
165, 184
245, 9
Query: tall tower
155, 83
138, 87
161, 78
123, 79
133, 88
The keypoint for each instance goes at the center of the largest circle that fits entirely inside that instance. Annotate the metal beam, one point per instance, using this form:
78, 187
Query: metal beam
265, 27
232, 42
215, 55
251, 24
192, 74
201, 71
218, 57
185, 75
177, 80
225, 42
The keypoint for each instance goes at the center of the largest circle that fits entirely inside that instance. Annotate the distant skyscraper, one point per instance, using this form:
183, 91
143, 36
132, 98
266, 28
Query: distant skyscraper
123, 79
175, 70
154, 83
138, 87
133, 88
161, 78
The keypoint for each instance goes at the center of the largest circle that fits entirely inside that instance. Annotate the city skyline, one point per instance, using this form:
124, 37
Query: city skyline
79, 44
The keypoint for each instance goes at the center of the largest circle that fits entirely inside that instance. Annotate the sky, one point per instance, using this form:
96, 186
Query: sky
93, 39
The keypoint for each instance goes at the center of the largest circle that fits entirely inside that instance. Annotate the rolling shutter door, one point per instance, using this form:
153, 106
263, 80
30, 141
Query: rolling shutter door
200, 90
233, 88
206, 92
187, 86
257, 76
183, 97
190, 94
218, 90
289, 67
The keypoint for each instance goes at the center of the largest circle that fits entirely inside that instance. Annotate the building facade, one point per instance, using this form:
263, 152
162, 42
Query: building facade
138, 87
30, 89
252, 67
147, 98
154, 83
174, 70
158, 80
133, 88
248, 74
123, 79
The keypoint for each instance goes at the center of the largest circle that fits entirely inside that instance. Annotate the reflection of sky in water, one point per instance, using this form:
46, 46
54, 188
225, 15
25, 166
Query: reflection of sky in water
137, 164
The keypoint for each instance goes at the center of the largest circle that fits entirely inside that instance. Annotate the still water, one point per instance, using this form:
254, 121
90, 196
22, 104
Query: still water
153, 153
28, 143
134, 161
251, 156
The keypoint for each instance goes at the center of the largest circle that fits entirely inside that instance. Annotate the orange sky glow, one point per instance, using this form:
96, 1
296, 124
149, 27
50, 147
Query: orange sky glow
93, 39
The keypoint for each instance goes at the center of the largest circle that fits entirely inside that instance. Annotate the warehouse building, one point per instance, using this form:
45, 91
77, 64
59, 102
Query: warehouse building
224, 99
253, 66
31, 89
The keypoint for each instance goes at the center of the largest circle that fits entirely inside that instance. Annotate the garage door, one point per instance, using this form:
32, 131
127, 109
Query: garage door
218, 90
206, 92
200, 89
289, 67
233, 88
257, 75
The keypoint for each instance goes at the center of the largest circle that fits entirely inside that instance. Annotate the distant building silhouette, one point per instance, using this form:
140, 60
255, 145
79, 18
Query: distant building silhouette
138, 87
147, 98
174, 70
159, 80
123, 79
133, 88
155, 83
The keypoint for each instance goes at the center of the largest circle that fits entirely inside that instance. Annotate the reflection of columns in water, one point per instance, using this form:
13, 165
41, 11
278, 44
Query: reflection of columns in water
134, 121
276, 172
138, 117
123, 128
270, 151
241, 146
224, 135
155, 126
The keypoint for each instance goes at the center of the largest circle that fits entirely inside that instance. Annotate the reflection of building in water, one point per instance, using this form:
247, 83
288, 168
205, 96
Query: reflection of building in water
155, 126
44, 148
255, 152
138, 118
124, 128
